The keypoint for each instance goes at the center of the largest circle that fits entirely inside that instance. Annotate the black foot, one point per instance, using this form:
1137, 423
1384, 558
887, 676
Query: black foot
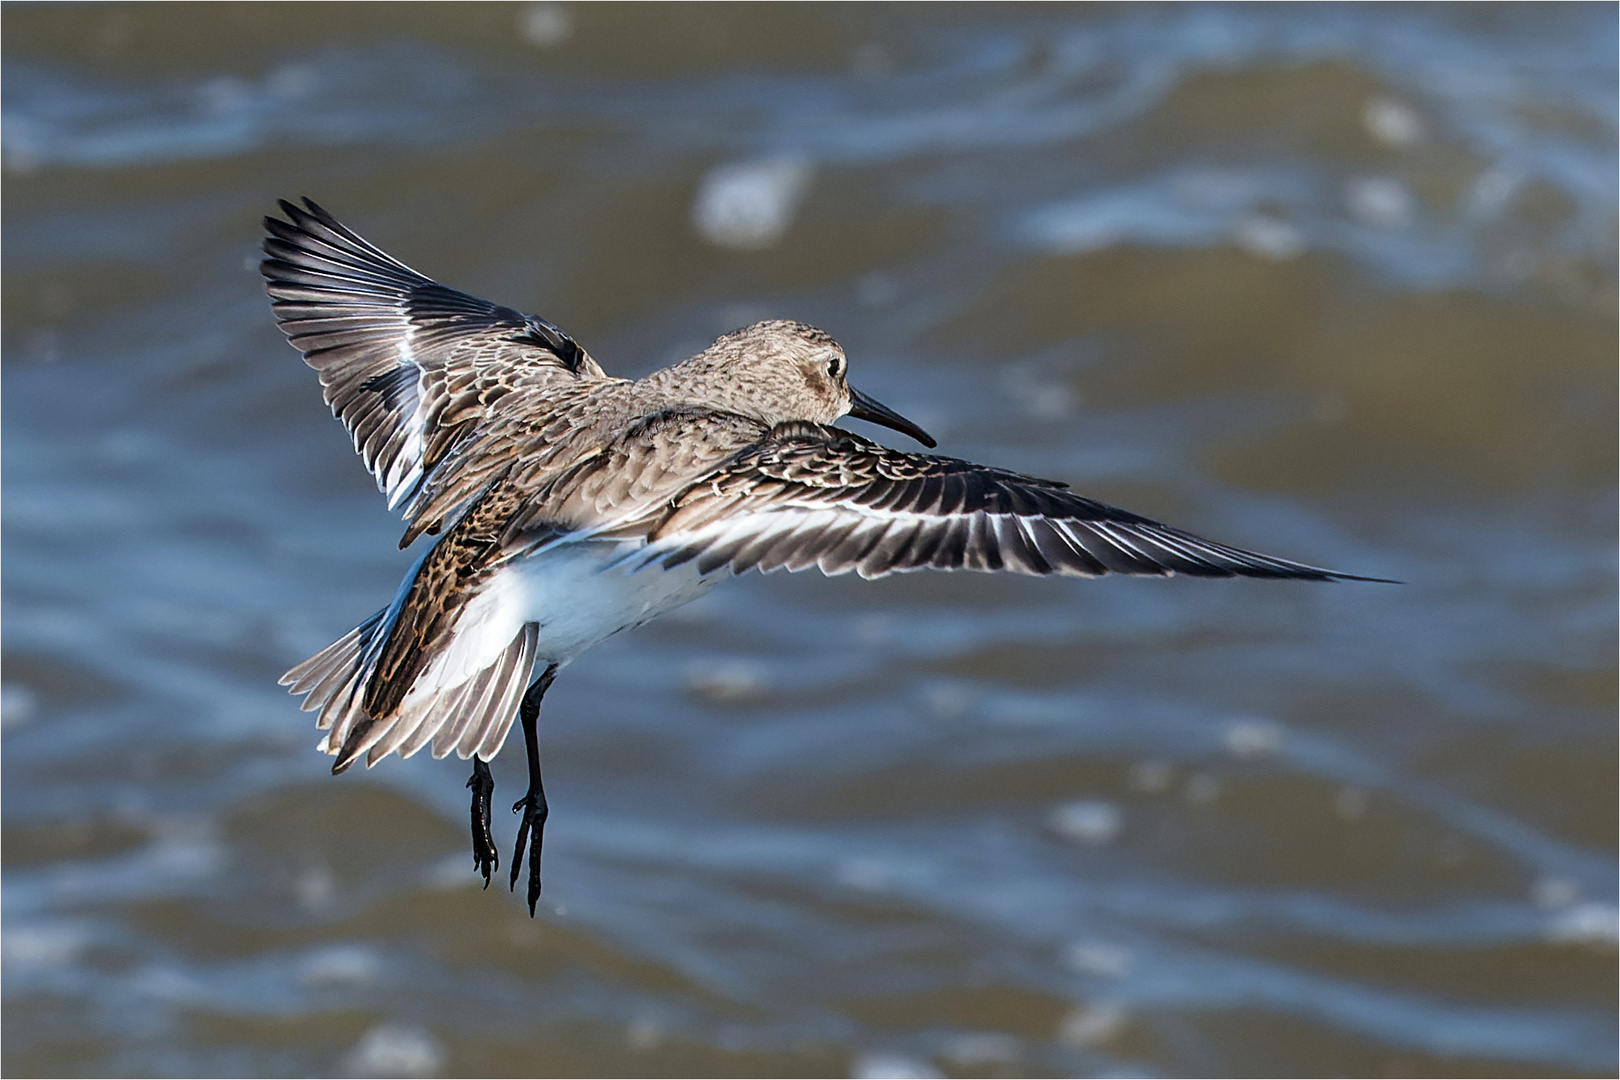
485, 857
531, 827
533, 805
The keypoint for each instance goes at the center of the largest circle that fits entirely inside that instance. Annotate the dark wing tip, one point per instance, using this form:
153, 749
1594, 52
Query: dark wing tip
300, 218
1286, 570
310, 208
294, 212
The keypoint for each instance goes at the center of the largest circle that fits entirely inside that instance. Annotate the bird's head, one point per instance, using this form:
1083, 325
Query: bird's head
780, 370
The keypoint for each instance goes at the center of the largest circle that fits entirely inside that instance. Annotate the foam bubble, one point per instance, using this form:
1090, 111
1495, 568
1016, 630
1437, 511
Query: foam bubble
979, 1048
1253, 738
1087, 821
1380, 201
748, 206
885, 1065
1099, 958
1590, 924
727, 680
396, 1050
1392, 123
339, 965
18, 705
1091, 1024
545, 25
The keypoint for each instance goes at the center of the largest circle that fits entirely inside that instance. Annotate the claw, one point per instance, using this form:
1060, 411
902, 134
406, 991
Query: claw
531, 828
486, 859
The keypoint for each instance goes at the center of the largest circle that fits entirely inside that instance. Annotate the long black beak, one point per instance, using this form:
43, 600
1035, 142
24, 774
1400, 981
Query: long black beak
864, 408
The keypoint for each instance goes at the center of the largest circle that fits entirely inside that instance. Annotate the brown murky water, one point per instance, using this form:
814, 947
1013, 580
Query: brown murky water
1338, 283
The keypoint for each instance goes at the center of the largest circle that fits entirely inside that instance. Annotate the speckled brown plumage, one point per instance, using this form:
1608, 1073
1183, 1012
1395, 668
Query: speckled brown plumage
499, 424
572, 504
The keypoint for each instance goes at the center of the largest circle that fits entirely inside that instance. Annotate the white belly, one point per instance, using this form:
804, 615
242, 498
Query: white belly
575, 602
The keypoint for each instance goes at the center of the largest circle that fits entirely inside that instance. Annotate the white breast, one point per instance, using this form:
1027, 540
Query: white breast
577, 603
573, 599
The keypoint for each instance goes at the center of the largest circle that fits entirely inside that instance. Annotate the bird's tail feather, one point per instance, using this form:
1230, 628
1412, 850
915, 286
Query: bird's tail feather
470, 717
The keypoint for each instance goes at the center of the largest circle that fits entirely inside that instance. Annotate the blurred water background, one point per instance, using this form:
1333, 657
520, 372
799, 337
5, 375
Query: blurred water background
1336, 282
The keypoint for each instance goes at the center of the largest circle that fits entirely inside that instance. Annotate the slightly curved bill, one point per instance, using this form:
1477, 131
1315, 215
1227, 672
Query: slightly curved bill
864, 408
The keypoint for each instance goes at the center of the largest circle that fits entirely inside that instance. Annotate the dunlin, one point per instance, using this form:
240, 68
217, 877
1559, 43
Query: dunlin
568, 505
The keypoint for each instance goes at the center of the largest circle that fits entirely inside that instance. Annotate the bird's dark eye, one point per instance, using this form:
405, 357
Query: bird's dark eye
835, 366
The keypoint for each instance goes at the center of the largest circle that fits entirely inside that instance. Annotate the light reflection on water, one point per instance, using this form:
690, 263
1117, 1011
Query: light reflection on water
1335, 283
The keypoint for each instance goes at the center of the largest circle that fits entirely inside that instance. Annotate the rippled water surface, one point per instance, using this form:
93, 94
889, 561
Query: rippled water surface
1334, 282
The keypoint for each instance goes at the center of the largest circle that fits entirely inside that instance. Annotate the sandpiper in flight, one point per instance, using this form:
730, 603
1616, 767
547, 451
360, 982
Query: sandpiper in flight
569, 505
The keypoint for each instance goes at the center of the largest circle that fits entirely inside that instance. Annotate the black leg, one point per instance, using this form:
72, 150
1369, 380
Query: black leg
485, 857
533, 804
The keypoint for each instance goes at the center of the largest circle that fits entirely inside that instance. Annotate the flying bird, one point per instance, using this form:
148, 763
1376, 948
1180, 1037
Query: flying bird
566, 505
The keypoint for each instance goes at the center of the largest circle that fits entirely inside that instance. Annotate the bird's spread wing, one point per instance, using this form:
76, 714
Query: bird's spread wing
810, 495
410, 367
